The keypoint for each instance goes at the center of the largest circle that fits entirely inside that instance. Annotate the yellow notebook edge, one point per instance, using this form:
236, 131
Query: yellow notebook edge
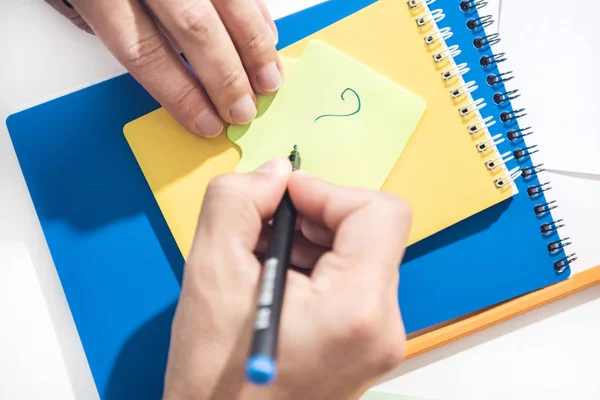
500, 313
423, 9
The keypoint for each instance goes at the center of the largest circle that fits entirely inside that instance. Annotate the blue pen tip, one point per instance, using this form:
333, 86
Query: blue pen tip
261, 370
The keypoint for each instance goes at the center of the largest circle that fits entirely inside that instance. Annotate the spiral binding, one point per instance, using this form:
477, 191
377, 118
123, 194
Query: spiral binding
416, 3
477, 23
482, 125
520, 154
516, 134
463, 89
509, 116
501, 99
500, 160
434, 16
488, 61
479, 130
486, 41
494, 79
442, 34
449, 52
468, 5
456, 70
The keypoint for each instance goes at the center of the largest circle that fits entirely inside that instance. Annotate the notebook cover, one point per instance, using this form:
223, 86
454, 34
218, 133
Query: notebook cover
439, 173
121, 269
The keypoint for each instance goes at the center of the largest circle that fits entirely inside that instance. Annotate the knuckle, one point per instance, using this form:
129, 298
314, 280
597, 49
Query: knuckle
232, 80
229, 190
221, 183
79, 22
183, 97
361, 328
146, 54
397, 207
333, 261
392, 354
258, 42
192, 22
225, 4
368, 332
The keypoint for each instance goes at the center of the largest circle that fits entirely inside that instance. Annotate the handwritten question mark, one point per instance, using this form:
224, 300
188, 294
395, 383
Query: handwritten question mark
343, 99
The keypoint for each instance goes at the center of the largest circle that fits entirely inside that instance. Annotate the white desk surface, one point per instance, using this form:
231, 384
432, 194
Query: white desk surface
551, 353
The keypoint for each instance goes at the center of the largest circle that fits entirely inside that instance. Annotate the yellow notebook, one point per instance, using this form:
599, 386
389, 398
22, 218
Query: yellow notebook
440, 172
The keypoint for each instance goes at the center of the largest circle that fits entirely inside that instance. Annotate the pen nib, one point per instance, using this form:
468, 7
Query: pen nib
295, 158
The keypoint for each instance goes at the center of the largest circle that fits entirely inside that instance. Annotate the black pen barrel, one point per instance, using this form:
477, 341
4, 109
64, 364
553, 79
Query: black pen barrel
273, 280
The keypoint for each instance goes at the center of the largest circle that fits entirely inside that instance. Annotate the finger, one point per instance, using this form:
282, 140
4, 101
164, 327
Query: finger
66, 8
165, 32
198, 29
298, 225
268, 18
254, 39
317, 233
131, 35
299, 220
305, 253
370, 227
236, 205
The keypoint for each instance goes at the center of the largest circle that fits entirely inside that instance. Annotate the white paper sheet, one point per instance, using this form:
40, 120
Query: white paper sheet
282, 8
31, 365
577, 197
541, 38
554, 52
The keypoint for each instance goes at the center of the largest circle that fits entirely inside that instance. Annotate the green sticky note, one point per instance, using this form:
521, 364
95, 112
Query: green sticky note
350, 124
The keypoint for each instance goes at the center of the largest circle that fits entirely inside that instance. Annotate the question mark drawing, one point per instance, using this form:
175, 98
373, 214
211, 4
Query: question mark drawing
343, 99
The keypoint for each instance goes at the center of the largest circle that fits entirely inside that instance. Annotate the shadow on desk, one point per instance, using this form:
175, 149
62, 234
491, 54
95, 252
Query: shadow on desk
495, 332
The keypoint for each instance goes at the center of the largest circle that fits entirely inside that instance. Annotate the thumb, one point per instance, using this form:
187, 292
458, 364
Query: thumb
236, 205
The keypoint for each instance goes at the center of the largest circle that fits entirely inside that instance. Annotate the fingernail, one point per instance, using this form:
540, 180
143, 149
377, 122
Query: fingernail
269, 78
243, 111
273, 34
208, 123
271, 166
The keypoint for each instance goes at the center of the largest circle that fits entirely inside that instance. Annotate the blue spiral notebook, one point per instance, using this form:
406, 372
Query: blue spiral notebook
121, 269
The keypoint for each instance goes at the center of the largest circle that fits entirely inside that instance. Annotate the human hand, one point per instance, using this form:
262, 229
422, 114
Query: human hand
229, 43
341, 328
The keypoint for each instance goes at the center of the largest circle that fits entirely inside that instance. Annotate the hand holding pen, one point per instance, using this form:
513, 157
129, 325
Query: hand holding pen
340, 328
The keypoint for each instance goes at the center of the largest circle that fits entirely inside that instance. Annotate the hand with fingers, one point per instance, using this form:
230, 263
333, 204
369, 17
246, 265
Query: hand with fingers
341, 328
230, 44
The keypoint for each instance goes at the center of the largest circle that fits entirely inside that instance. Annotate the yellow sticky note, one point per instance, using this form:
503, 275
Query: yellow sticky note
350, 123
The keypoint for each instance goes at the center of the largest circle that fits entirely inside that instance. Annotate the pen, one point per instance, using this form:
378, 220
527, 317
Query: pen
261, 368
